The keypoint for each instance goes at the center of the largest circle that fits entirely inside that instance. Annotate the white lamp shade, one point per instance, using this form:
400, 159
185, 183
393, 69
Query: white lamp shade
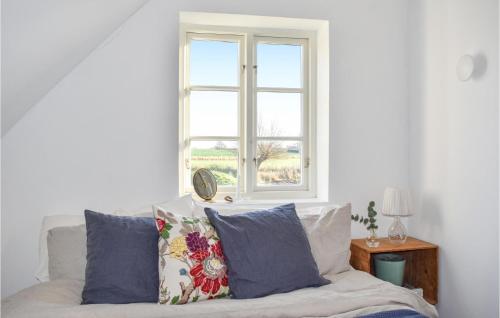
396, 202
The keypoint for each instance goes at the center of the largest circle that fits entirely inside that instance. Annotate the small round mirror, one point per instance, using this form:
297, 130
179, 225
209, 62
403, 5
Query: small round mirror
204, 184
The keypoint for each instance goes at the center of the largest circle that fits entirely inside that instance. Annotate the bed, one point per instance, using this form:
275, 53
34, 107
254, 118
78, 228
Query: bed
352, 294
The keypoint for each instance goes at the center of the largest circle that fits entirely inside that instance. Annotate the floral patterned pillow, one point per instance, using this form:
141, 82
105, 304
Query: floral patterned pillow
191, 263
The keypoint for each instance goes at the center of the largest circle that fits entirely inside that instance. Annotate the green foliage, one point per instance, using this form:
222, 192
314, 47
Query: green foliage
211, 152
370, 222
175, 300
165, 234
223, 178
227, 166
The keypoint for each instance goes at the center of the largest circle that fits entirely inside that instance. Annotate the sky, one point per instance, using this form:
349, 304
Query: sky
216, 63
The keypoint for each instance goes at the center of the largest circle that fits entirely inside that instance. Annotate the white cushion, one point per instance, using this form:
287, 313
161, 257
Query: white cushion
48, 223
329, 235
235, 208
67, 249
183, 205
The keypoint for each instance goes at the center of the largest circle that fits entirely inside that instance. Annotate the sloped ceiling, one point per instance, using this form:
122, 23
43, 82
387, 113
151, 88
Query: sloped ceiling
43, 40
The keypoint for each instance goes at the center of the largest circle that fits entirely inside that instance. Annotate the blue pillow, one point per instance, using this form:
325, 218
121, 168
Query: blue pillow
122, 260
267, 252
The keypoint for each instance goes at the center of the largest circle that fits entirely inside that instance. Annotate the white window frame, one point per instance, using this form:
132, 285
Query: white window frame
247, 185
186, 138
305, 106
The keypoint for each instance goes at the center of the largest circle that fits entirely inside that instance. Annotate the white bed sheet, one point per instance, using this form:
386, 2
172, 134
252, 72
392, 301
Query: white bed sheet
351, 294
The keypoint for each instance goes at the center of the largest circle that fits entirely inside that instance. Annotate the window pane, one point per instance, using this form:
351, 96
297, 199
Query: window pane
220, 157
279, 65
279, 163
213, 113
214, 63
279, 114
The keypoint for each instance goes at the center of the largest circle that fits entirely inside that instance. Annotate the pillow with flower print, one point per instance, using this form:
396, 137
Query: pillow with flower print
192, 266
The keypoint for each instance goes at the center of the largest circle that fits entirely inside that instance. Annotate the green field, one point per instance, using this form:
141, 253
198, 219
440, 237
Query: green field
211, 152
223, 164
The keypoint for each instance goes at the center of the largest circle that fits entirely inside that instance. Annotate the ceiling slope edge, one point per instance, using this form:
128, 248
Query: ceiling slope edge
8, 122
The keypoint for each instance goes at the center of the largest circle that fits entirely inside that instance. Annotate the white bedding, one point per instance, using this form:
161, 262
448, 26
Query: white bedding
351, 294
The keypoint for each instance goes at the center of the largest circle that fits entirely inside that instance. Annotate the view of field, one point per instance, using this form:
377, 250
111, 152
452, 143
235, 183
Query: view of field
283, 168
223, 163
279, 114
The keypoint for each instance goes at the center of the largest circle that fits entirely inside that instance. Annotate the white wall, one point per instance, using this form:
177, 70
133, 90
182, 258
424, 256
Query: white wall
106, 135
43, 40
454, 149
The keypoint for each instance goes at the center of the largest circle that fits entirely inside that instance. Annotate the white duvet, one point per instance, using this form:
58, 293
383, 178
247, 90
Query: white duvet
351, 294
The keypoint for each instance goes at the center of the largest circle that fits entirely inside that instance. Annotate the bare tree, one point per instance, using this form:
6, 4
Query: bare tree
268, 149
220, 145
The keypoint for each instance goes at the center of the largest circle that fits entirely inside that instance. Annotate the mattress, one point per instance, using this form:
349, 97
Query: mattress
351, 294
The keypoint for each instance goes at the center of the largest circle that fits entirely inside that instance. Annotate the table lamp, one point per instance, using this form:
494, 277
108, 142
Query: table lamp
396, 205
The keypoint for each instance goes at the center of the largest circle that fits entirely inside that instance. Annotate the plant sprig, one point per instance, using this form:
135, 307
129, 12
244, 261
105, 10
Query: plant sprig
370, 221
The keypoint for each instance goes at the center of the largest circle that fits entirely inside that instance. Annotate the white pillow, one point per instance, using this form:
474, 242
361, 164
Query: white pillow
225, 209
329, 235
183, 205
232, 208
67, 249
48, 223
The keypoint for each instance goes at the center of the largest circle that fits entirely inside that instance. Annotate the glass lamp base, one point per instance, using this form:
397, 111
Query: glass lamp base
397, 232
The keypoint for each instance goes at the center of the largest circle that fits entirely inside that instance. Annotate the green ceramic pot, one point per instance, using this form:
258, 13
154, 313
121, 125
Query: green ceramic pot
390, 267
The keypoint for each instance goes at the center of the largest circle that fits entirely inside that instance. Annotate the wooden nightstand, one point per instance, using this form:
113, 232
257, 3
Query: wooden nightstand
421, 268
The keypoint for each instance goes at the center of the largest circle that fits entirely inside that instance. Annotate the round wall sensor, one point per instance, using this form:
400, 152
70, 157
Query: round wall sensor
465, 67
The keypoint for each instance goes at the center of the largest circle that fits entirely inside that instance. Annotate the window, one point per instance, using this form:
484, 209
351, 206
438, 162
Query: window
213, 107
281, 106
247, 110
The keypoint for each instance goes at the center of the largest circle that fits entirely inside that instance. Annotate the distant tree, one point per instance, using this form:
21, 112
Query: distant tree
220, 145
268, 149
